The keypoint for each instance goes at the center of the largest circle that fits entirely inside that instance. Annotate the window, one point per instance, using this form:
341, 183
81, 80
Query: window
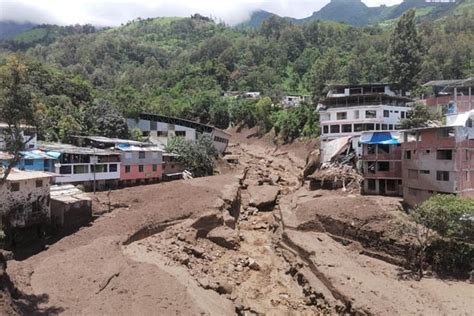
383, 149
391, 185
390, 127
371, 149
80, 169
65, 170
346, 128
383, 166
180, 133
141, 168
153, 125
141, 155
424, 172
28, 162
377, 127
113, 168
466, 175
334, 128
127, 169
444, 154
386, 113
412, 174
369, 127
15, 187
356, 114
402, 114
371, 185
442, 175
155, 168
39, 183
371, 114
325, 129
446, 132
341, 115
162, 133
408, 154
99, 168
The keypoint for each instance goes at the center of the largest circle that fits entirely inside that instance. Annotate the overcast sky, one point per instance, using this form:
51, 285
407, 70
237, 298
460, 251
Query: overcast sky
115, 12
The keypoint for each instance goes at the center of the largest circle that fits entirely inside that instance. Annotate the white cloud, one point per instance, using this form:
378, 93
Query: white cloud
115, 12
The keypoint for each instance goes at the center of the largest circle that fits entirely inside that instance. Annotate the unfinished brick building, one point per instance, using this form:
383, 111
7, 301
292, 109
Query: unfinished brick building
437, 160
381, 163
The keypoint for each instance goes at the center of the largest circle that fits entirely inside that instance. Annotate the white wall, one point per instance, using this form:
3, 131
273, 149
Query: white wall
27, 194
84, 177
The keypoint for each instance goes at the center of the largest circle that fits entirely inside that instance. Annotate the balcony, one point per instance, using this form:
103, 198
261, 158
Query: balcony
83, 172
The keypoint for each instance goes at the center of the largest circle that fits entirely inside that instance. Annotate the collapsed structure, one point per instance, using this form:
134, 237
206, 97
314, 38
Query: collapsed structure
362, 121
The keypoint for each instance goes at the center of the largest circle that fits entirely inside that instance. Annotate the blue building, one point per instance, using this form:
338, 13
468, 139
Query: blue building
34, 160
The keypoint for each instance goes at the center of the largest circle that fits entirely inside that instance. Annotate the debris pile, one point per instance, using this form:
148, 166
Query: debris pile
335, 176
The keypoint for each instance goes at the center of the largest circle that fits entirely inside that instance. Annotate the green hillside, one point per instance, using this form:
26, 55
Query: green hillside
181, 66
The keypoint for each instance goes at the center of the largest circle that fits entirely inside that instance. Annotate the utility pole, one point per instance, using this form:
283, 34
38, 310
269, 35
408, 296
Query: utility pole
94, 162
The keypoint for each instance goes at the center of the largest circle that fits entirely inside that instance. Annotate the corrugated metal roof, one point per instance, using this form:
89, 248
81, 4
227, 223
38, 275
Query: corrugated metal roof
108, 140
17, 175
451, 83
35, 154
124, 147
70, 149
68, 193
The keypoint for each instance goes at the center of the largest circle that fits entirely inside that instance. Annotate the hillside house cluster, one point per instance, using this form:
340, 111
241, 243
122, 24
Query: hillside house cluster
415, 163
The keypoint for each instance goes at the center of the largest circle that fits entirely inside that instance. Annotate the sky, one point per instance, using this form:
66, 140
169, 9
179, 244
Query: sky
115, 12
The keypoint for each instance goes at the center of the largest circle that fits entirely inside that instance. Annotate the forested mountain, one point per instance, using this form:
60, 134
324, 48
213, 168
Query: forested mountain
181, 67
10, 29
355, 12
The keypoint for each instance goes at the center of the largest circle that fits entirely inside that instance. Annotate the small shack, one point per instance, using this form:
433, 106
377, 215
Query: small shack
71, 208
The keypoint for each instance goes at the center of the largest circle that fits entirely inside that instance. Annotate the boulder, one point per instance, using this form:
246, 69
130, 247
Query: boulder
229, 220
207, 222
225, 237
263, 197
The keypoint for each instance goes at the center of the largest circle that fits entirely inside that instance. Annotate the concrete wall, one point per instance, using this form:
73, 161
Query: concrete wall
19, 204
88, 176
71, 215
329, 117
220, 140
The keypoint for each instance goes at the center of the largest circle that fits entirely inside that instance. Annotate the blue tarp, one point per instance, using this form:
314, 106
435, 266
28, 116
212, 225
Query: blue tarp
384, 138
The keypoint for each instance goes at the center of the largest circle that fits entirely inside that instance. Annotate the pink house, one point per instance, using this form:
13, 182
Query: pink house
140, 164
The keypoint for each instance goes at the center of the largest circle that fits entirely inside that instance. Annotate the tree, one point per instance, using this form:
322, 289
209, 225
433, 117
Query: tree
16, 109
419, 116
404, 53
198, 157
105, 120
441, 217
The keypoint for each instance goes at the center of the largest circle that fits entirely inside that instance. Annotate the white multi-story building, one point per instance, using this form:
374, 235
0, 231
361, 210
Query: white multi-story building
86, 166
349, 110
159, 129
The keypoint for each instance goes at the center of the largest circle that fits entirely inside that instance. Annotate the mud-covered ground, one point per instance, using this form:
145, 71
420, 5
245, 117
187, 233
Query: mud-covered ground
251, 241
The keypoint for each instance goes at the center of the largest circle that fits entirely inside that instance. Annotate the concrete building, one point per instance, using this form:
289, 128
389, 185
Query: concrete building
349, 110
381, 163
28, 133
70, 207
437, 160
159, 129
141, 162
450, 97
86, 166
290, 101
172, 168
25, 202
